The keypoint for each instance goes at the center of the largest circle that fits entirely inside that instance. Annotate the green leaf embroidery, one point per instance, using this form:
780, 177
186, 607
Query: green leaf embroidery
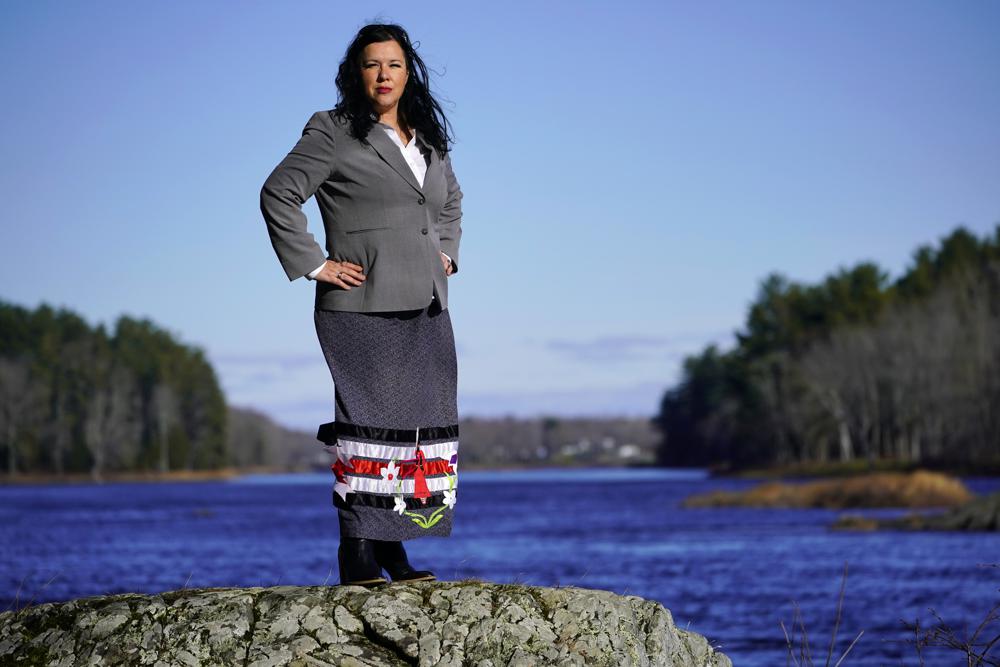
426, 522
436, 515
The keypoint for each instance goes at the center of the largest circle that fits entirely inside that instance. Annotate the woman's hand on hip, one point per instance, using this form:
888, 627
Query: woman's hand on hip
342, 274
448, 269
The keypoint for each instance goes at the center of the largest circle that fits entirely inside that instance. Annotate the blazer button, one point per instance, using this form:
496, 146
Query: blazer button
423, 231
420, 201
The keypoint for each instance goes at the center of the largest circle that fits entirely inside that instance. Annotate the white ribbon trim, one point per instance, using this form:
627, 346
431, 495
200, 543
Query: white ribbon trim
348, 449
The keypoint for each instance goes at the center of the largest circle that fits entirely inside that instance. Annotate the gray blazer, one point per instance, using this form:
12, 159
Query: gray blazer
374, 213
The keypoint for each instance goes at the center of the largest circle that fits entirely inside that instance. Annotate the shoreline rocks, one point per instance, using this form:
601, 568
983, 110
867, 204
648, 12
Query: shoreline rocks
980, 514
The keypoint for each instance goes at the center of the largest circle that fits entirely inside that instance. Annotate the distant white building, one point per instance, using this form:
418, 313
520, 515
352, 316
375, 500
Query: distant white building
628, 451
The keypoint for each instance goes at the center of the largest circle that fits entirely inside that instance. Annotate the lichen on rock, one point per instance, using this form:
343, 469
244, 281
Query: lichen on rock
451, 623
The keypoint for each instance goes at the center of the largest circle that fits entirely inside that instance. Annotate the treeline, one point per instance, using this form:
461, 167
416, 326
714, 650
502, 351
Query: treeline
81, 399
75, 398
854, 367
254, 440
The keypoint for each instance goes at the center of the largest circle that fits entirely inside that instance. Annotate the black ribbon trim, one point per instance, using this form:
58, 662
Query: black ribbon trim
328, 433
385, 502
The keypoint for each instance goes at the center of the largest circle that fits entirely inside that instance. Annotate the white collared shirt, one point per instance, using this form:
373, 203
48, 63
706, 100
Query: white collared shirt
412, 152
415, 158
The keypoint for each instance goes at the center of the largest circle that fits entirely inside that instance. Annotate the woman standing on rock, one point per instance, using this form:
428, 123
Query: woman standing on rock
379, 166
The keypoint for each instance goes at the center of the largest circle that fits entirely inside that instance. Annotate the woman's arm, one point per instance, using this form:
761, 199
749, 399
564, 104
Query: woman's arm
449, 222
292, 182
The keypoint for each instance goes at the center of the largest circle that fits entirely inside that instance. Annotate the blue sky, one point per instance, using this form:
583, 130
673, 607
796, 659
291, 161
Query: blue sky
631, 172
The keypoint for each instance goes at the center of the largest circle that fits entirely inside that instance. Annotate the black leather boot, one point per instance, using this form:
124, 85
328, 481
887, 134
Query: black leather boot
391, 557
358, 567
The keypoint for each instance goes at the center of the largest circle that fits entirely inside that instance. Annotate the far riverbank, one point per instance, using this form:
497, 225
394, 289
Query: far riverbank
233, 473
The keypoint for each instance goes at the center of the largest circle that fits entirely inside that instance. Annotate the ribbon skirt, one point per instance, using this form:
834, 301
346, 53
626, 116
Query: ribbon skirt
394, 438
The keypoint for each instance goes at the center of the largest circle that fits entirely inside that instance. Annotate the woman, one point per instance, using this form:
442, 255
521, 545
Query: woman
379, 166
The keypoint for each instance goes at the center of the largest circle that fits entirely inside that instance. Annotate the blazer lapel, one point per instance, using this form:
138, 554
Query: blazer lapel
433, 164
389, 152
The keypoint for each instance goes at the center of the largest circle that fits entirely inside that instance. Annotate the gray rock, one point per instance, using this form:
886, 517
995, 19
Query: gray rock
979, 514
426, 623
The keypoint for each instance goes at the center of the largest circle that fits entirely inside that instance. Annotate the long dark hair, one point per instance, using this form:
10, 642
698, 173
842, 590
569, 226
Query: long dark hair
417, 107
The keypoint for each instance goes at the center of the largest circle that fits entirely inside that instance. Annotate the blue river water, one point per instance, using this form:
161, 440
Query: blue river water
731, 574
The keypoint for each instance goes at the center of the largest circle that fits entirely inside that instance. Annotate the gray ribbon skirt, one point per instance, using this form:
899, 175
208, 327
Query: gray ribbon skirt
394, 438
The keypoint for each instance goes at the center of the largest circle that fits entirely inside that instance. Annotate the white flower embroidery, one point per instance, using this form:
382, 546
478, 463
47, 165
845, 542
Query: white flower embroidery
390, 471
400, 505
449, 498
342, 489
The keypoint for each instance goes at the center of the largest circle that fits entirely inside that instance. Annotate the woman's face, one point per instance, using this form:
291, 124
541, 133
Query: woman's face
383, 71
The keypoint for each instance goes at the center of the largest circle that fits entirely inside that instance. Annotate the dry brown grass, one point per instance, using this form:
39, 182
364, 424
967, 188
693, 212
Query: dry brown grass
138, 476
920, 488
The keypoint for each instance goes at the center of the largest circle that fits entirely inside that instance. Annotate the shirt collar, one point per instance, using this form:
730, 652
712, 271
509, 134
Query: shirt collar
392, 131
419, 140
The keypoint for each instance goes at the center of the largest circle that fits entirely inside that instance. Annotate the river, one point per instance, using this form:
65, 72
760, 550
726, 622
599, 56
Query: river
730, 574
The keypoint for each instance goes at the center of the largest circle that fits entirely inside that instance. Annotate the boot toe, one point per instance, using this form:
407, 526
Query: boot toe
416, 575
391, 557
358, 566
366, 583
